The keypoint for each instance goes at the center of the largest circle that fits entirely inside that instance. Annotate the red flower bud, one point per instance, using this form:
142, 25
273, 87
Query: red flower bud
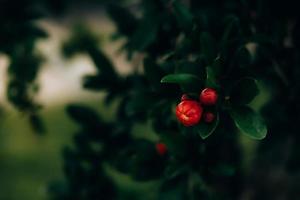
185, 97
209, 97
161, 149
189, 112
208, 117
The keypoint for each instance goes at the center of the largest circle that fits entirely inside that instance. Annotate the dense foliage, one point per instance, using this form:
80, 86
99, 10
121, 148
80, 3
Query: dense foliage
241, 49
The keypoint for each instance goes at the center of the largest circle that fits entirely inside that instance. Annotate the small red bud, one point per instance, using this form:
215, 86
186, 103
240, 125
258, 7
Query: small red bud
185, 97
161, 149
208, 117
189, 112
209, 97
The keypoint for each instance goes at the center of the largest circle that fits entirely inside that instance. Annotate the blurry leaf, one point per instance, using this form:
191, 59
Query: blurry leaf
174, 189
224, 170
175, 143
243, 57
206, 129
244, 91
102, 62
94, 83
125, 21
147, 167
83, 115
37, 123
249, 122
208, 47
181, 79
139, 102
100, 82
80, 41
230, 31
183, 15
153, 72
144, 35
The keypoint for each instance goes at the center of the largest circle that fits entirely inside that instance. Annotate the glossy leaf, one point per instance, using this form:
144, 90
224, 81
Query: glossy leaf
249, 122
188, 82
180, 79
206, 129
211, 79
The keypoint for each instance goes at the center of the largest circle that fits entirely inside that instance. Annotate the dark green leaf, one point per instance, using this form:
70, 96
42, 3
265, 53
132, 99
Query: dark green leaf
175, 143
244, 91
224, 170
140, 102
217, 66
37, 124
144, 35
208, 47
83, 115
188, 82
174, 189
206, 129
181, 79
153, 72
183, 15
187, 67
230, 30
249, 122
102, 62
125, 21
211, 80
243, 57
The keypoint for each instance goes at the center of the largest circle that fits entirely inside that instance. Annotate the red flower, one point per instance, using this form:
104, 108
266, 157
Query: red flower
161, 149
208, 117
209, 97
189, 112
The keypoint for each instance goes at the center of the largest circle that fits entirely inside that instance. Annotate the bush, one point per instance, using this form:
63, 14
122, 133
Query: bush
235, 62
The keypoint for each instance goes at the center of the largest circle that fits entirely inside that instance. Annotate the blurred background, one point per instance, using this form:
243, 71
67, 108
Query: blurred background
29, 161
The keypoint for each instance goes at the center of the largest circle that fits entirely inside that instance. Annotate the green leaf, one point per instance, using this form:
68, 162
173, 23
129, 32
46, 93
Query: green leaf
183, 15
206, 129
249, 122
145, 34
181, 79
208, 47
188, 82
244, 91
211, 80
187, 67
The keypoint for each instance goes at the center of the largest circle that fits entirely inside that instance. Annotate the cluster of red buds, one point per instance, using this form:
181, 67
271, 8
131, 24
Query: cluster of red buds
190, 112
